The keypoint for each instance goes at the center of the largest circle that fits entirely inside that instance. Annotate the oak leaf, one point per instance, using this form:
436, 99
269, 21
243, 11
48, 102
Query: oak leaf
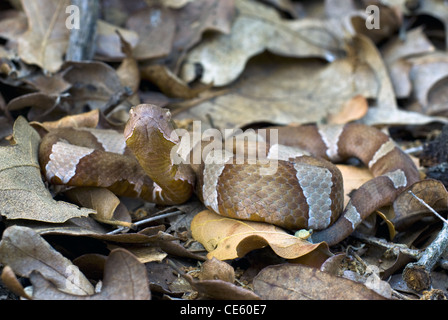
25, 251
23, 195
125, 278
46, 40
227, 238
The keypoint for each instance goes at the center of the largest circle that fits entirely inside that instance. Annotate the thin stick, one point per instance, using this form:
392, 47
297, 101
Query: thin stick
395, 248
144, 221
82, 40
418, 275
429, 208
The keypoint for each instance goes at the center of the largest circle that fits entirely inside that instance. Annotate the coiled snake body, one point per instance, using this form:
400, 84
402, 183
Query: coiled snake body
303, 192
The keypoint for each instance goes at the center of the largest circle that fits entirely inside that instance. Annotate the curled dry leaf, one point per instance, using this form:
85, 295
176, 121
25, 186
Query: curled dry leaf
298, 282
83, 120
25, 251
408, 209
125, 278
169, 83
227, 238
46, 40
10, 280
395, 53
23, 195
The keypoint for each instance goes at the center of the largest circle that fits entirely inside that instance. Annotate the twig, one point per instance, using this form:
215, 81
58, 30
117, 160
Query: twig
81, 43
429, 208
417, 275
144, 221
394, 248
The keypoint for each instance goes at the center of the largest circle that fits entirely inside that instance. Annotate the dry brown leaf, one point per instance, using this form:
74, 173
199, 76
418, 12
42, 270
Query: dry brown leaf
50, 85
169, 83
219, 289
108, 43
437, 98
25, 251
23, 195
107, 205
144, 254
193, 20
10, 280
257, 28
83, 120
128, 72
298, 282
96, 85
353, 178
226, 238
283, 90
155, 27
425, 72
215, 269
125, 278
351, 110
46, 40
13, 23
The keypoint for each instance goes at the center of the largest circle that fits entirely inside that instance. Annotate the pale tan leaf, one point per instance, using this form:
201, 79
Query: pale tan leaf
46, 40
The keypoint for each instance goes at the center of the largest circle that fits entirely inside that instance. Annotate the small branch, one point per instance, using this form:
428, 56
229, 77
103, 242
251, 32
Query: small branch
417, 275
429, 207
82, 40
144, 221
394, 248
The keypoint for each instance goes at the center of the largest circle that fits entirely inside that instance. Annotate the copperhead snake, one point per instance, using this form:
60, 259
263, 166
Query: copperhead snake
304, 192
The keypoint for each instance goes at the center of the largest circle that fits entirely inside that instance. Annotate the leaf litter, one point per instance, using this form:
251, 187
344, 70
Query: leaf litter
230, 64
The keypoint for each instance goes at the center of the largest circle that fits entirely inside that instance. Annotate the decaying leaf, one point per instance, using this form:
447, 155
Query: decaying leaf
125, 278
298, 282
46, 40
25, 251
227, 238
22, 192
